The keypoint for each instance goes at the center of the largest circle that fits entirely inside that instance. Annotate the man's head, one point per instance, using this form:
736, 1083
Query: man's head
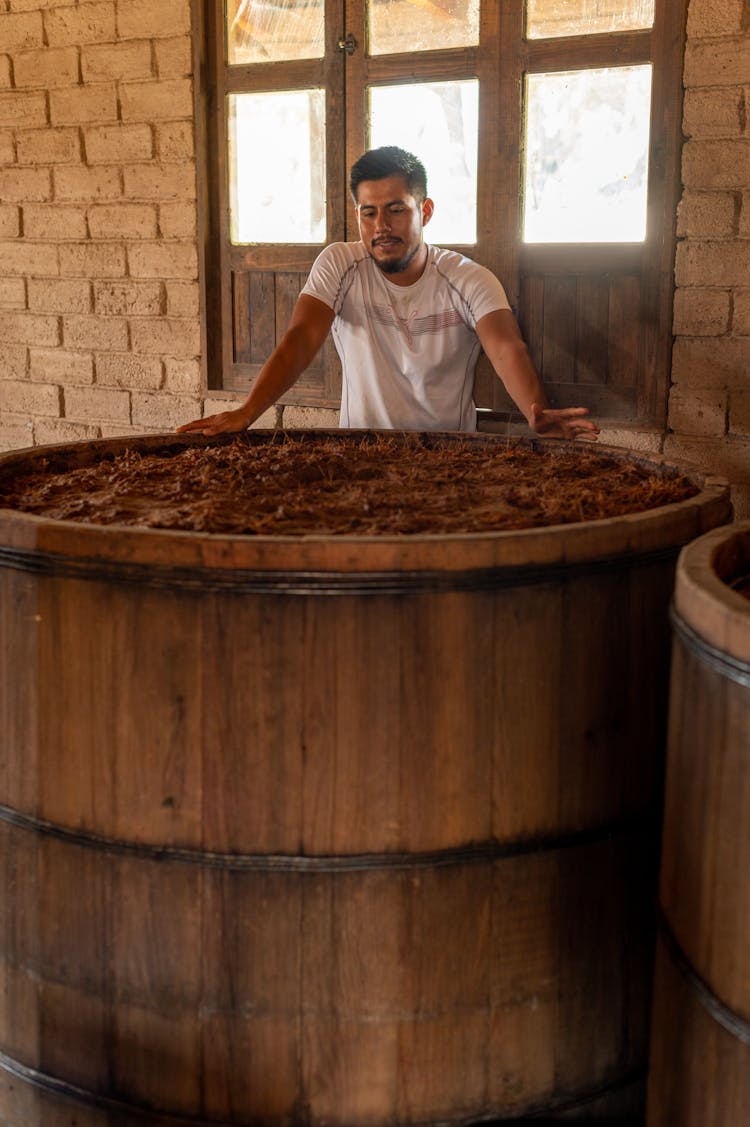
389, 188
377, 164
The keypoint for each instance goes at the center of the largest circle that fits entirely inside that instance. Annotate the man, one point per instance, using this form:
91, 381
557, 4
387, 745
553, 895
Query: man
408, 321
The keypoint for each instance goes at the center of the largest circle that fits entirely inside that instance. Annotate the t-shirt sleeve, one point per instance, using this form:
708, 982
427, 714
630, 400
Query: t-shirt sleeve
478, 290
327, 274
483, 293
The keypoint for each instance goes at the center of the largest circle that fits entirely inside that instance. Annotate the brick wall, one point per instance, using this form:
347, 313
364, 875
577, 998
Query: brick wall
99, 296
709, 403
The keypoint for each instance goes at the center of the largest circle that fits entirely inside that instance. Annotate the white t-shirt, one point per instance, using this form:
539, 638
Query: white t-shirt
408, 353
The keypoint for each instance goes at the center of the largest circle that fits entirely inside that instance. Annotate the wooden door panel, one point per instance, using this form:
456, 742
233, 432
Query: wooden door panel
262, 304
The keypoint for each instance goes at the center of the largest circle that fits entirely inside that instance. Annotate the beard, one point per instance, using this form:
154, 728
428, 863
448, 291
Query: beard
396, 265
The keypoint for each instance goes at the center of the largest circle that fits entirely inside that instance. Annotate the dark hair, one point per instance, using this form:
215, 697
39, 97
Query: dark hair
389, 160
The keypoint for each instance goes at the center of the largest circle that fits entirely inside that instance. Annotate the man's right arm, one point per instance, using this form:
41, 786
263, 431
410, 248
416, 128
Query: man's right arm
308, 328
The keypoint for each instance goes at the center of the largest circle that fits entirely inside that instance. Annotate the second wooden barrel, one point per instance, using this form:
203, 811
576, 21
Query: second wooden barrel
700, 1058
332, 831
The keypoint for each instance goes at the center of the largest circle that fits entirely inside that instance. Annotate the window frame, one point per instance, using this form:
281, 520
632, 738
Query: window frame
500, 62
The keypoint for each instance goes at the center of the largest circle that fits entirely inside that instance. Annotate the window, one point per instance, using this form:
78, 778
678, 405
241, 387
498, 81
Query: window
550, 133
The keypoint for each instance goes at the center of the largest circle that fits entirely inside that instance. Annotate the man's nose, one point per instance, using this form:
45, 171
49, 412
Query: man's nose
382, 221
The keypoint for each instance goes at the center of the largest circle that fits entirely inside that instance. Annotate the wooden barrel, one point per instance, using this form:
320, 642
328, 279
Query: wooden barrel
700, 1063
329, 831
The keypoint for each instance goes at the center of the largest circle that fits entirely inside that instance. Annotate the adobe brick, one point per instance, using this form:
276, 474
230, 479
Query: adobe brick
59, 365
36, 5
139, 18
178, 220
118, 144
54, 221
24, 397
46, 67
7, 148
130, 299
81, 332
701, 312
712, 262
123, 369
123, 430
79, 105
23, 110
739, 412
711, 362
184, 376
175, 141
744, 226
741, 316
16, 432
97, 404
183, 299
708, 214
92, 260
157, 101
13, 361
49, 431
29, 328
713, 112
163, 260
701, 412
164, 412
123, 220
178, 337
21, 29
305, 418
22, 258
716, 62
48, 146
160, 182
714, 17
12, 293
174, 57
716, 164
10, 221
117, 61
25, 184
83, 23
55, 296
103, 182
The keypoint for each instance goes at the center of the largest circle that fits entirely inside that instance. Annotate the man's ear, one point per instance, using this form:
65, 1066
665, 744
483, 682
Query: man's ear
427, 209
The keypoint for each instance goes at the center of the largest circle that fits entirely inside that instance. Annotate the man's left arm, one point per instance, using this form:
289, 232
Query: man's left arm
506, 350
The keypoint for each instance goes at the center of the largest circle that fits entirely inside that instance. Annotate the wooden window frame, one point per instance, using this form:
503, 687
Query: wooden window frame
550, 286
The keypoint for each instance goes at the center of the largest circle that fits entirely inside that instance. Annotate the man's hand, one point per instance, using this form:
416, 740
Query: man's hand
225, 422
568, 422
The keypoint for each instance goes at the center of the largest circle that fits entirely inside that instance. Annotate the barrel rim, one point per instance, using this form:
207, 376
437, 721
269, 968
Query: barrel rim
631, 533
703, 598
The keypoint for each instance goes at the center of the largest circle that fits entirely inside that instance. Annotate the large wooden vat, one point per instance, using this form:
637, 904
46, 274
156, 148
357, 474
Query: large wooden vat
330, 831
700, 1070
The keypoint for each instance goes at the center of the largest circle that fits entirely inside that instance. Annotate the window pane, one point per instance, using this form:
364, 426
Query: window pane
437, 121
271, 31
547, 19
587, 155
396, 26
277, 167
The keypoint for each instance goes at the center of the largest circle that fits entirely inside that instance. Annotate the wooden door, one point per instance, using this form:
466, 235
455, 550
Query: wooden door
289, 71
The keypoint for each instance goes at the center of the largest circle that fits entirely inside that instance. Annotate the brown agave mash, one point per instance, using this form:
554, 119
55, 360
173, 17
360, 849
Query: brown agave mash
347, 483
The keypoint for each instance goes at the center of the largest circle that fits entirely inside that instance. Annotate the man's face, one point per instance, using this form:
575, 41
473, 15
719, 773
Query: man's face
390, 225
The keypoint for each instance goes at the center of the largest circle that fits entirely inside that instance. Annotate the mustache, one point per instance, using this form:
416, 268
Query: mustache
386, 239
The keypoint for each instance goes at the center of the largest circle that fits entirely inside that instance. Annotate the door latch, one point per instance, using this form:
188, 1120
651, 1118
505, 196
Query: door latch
349, 44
